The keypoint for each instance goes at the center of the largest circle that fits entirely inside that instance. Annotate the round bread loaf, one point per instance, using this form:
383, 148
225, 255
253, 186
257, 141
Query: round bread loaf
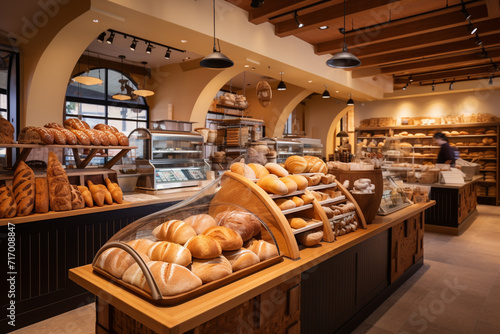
271, 184
228, 239
276, 169
174, 231
295, 164
241, 259
116, 261
203, 247
263, 249
169, 252
200, 222
209, 270
259, 170
244, 223
242, 169
300, 180
297, 222
310, 238
290, 184
140, 245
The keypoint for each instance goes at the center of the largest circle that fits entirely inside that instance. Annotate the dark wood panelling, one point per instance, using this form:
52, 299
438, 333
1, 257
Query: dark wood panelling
445, 212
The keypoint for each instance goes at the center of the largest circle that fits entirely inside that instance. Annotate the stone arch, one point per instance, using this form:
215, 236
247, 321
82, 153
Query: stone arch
330, 144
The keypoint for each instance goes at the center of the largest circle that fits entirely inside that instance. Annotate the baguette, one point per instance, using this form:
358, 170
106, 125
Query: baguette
23, 186
200, 222
97, 192
41, 195
115, 190
174, 231
203, 247
209, 270
228, 239
7, 203
241, 259
169, 252
271, 184
77, 201
59, 187
116, 261
87, 196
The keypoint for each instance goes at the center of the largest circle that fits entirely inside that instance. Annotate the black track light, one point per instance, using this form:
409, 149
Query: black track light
477, 40
490, 82
110, 38
133, 45
350, 102
296, 17
465, 13
167, 54
433, 87
472, 29
256, 3
101, 37
281, 85
149, 48
451, 86
404, 88
410, 79
326, 93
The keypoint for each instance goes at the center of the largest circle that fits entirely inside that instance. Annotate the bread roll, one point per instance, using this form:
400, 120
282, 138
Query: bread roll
203, 247
115, 190
87, 196
107, 195
297, 222
211, 269
264, 250
307, 197
310, 238
328, 211
327, 179
6, 131
169, 252
98, 193
228, 239
290, 184
172, 279
59, 187
116, 261
245, 224
271, 184
242, 169
259, 170
300, 180
174, 231
313, 180
7, 202
41, 195
298, 201
241, 259
311, 161
276, 169
200, 222
285, 203
23, 187
295, 164
77, 201
140, 245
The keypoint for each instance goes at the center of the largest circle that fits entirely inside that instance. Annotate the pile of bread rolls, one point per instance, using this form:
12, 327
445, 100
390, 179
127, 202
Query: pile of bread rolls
363, 186
74, 132
54, 192
184, 254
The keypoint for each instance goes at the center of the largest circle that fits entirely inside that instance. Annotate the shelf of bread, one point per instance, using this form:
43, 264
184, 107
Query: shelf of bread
333, 200
342, 216
312, 224
322, 186
18, 145
297, 209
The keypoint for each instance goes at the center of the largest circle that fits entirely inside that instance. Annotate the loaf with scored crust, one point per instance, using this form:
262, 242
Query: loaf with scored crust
23, 186
59, 187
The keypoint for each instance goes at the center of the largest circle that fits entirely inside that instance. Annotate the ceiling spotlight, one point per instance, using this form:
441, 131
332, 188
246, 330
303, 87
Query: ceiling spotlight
410, 79
433, 86
326, 93
110, 38
465, 13
323, 27
478, 40
149, 48
484, 53
296, 17
471, 29
451, 86
281, 85
133, 45
350, 102
404, 88
256, 3
101, 37
167, 54
490, 82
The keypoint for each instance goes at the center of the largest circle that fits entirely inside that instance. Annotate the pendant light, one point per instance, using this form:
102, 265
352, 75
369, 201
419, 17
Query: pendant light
144, 92
216, 59
122, 95
281, 85
326, 93
350, 102
343, 59
87, 79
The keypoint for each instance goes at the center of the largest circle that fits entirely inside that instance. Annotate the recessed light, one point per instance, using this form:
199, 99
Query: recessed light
187, 57
310, 81
253, 68
247, 65
323, 27
95, 20
184, 41
337, 91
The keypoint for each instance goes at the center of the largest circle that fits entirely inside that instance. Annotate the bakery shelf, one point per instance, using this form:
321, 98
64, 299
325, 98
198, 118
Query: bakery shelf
323, 186
380, 137
344, 215
332, 200
310, 226
488, 170
431, 127
297, 209
484, 181
424, 147
412, 137
178, 151
295, 193
475, 146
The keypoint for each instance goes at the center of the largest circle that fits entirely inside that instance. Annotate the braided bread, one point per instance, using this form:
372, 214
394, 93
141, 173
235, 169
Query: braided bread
83, 139
24, 189
59, 137
7, 202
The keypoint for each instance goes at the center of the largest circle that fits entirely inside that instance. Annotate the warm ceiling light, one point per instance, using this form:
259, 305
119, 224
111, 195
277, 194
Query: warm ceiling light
296, 17
110, 38
101, 37
133, 45
350, 102
87, 79
281, 85
343, 59
337, 91
472, 29
326, 93
184, 41
167, 54
478, 40
342, 134
144, 92
95, 20
247, 65
323, 27
216, 59
149, 48
310, 81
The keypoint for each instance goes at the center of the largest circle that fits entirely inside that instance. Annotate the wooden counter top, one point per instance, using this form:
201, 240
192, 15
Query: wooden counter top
475, 178
186, 316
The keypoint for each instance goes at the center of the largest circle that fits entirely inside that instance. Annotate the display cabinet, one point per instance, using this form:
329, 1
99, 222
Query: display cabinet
288, 147
312, 147
168, 159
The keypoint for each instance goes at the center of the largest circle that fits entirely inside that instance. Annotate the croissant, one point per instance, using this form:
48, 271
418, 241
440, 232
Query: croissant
107, 195
97, 192
115, 190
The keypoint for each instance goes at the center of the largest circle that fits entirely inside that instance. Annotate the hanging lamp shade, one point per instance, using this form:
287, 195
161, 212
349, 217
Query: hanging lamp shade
326, 93
342, 134
216, 59
87, 79
281, 85
122, 95
144, 92
350, 102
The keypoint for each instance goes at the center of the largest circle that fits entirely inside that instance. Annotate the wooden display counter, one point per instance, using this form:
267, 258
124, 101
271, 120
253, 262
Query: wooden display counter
455, 207
362, 269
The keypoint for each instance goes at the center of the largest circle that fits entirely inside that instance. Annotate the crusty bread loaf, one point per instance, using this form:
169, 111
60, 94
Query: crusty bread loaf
169, 252
276, 169
241, 259
313, 180
6, 131
87, 196
82, 137
271, 184
102, 137
115, 190
74, 124
200, 222
295, 164
29, 135
116, 261
107, 195
297, 222
174, 231
263, 249
228, 239
298, 201
290, 184
327, 179
46, 135
211, 269
245, 224
98, 193
113, 141
7, 202
140, 245
203, 247
77, 201
310, 238
319, 167
41, 195
242, 169
285, 203
59, 187
172, 279
307, 197
59, 137
259, 170
23, 187
300, 180
70, 136
93, 136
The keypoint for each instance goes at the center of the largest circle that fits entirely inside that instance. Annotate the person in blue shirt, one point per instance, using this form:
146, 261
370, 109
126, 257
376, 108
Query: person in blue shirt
447, 154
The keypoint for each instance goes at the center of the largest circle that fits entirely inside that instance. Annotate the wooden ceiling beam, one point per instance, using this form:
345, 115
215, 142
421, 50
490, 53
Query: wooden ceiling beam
320, 17
431, 51
448, 74
450, 23
274, 8
493, 8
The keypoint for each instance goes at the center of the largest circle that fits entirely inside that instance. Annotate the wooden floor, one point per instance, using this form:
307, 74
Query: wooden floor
456, 291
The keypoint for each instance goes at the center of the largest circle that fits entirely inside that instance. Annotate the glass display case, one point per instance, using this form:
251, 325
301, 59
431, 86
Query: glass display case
168, 159
285, 148
312, 147
393, 197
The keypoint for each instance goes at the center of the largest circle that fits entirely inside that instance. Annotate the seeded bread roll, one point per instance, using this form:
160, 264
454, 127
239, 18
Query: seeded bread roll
209, 270
200, 222
203, 247
263, 249
241, 259
7, 202
23, 186
174, 231
59, 187
41, 195
169, 252
228, 239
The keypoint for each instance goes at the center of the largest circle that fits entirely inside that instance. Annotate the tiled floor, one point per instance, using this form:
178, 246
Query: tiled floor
456, 291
